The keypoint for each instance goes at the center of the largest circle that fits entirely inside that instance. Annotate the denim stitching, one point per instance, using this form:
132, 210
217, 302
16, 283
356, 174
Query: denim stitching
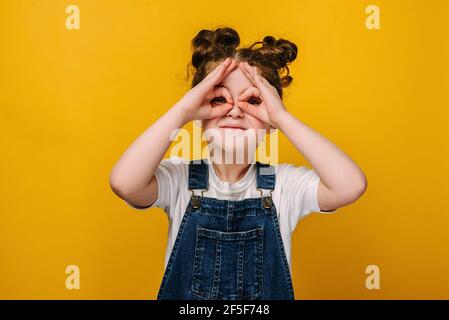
240, 267
174, 251
199, 267
284, 257
195, 285
258, 265
217, 268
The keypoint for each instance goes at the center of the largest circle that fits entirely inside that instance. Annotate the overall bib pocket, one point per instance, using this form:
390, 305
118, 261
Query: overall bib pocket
228, 265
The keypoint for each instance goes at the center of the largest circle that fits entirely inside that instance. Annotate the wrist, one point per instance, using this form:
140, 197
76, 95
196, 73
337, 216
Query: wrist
181, 113
281, 118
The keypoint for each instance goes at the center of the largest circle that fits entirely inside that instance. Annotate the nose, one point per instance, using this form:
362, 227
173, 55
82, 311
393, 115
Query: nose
235, 112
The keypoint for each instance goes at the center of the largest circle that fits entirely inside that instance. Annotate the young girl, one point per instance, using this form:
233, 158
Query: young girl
231, 222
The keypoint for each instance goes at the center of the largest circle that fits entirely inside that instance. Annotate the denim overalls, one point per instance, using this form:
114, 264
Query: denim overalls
228, 250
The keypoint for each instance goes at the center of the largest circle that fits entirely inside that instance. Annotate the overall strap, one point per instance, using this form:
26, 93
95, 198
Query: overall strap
198, 174
266, 178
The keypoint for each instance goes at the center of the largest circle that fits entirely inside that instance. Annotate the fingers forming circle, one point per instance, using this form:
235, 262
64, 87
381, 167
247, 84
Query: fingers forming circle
251, 91
222, 91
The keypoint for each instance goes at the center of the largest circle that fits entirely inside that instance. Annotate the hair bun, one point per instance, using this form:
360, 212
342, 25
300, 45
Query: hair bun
282, 51
289, 50
226, 37
210, 45
202, 39
269, 41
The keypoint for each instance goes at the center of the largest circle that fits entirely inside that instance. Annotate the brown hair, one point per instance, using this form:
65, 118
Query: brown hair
270, 56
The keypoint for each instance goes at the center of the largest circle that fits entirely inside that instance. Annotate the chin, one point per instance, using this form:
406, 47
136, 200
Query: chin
233, 149
233, 145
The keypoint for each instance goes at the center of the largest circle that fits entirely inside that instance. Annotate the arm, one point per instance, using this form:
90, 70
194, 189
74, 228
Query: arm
341, 180
132, 177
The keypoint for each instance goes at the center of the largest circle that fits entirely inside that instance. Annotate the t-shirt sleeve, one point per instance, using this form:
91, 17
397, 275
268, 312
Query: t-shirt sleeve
168, 174
300, 190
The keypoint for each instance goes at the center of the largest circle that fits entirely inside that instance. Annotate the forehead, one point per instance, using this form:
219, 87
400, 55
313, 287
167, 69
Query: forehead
236, 81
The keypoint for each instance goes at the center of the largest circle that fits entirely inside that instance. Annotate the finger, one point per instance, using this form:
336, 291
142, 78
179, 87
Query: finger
220, 110
219, 67
265, 81
223, 71
260, 82
243, 67
249, 69
256, 75
250, 92
222, 91
231, 65
250, 109
212, 78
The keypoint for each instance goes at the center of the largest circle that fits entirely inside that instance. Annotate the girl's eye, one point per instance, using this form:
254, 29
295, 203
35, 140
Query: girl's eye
219, 100
254, 100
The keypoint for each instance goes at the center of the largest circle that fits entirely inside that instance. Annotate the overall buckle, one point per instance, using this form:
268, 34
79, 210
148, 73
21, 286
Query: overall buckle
196, 199
267, 201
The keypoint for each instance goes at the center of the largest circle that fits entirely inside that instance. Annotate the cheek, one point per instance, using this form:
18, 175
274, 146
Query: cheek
257, 124
208, 124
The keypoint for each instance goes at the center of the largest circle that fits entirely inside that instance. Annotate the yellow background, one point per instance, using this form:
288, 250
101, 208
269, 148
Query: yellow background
73, 100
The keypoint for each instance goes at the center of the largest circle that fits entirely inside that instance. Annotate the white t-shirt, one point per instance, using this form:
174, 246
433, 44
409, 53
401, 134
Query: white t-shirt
294, 195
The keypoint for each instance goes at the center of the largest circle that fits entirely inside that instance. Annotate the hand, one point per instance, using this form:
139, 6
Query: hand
271, 109
197, 101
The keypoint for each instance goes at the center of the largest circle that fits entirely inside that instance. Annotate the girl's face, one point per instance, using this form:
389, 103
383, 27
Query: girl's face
236, 132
